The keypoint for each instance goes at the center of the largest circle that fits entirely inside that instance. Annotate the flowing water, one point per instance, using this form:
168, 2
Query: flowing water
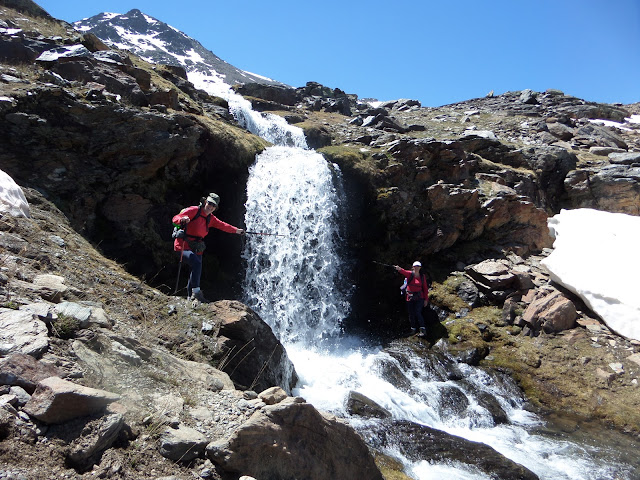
297, 282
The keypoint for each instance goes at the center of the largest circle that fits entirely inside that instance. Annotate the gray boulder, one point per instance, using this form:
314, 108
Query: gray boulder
57, 401
182, 444
294, 440
22, 332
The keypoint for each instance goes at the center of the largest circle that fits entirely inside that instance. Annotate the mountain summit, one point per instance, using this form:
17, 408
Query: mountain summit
157, 42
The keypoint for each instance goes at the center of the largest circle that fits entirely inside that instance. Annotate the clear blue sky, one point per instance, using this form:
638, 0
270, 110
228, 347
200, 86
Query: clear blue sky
438, 52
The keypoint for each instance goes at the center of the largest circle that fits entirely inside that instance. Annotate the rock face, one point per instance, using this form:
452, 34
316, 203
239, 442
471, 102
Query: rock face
286, 440
613, 188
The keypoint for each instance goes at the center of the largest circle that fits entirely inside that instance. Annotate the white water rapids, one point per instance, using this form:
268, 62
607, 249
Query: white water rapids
296, 283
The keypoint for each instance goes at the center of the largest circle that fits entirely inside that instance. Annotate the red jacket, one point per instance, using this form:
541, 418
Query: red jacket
197, 229
416, 284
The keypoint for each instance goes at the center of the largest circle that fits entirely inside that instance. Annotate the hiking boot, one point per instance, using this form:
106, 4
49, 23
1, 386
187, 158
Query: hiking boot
199, 296
423, 332
413, 331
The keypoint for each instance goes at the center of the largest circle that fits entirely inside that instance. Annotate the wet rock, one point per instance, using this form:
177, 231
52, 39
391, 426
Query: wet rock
392, 373
452, 402
418, 442
441, 367
469, 292
359, 404
491, 404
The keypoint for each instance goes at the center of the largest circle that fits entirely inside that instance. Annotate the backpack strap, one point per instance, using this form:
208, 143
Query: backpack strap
207, 219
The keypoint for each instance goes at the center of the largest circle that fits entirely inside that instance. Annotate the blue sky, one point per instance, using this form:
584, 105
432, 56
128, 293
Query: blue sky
438, 52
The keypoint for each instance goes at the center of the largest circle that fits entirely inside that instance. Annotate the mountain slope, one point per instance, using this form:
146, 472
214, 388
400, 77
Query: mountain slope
157, 42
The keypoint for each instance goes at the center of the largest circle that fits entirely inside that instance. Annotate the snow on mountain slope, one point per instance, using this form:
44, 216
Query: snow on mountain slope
157, 42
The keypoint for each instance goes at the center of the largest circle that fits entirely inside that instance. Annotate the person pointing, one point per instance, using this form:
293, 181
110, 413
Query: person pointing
417, 294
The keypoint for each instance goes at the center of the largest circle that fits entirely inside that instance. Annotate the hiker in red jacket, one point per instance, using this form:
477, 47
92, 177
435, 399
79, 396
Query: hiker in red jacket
195, 222
417, 292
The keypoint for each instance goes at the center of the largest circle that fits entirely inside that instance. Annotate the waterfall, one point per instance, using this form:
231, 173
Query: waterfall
295, 280
291, 276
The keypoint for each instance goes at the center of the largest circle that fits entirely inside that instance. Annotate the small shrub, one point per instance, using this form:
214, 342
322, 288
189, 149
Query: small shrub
65, 326
10, 304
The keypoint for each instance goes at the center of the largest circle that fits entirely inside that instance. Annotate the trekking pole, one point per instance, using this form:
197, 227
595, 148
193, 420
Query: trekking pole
384, 264
264, 233
179, 267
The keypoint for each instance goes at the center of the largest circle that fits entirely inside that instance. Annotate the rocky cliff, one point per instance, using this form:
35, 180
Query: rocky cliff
108, 147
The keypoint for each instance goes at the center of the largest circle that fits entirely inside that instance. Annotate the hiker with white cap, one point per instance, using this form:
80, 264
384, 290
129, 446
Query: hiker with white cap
417, 294
191, 226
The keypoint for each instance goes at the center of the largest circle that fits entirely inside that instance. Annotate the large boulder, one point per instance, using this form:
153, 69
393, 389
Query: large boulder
292, 440
182, 444
252, 355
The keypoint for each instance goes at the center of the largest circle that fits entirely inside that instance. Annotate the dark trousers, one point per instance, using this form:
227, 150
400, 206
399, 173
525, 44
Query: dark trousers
415, 313
195, 264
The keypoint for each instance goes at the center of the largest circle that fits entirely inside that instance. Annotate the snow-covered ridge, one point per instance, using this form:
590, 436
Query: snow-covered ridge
157, 42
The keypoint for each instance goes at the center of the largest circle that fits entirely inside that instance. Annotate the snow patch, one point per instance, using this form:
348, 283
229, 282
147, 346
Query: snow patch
595, 256
12, 199
610, 123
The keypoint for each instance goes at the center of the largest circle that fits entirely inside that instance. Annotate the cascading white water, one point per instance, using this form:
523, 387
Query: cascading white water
292, 282
292, 273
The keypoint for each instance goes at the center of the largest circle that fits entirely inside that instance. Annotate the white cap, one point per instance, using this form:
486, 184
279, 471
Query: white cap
417, 264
